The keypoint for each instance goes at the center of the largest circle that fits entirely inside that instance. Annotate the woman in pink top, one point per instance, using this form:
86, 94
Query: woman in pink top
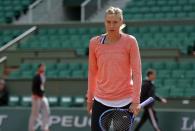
114, 75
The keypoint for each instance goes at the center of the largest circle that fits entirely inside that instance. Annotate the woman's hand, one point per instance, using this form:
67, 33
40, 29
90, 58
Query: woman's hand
135, 108
89, 107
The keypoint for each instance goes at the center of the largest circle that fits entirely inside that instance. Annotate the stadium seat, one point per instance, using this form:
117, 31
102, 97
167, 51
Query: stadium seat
166, 29
190, 74
66, 101
53, 101
151, 3
171, 65
193, 65
170, 82
189, 92
74, 66
78, 101
26, 101
13, 9
163, 91
158, 65
25, 66
150, 36
176, 8
158, 9
77, 73
163, 73
181, 15
170, 15
84, 66
62, 66
191, 14
65, 74
26, 74
50, 66
177, 92
187, 8
85, 74
14, 101
146, 65
15, 74
178, 73
52, 73
81, 51
193, 82
184, 83
185, 65
159, 82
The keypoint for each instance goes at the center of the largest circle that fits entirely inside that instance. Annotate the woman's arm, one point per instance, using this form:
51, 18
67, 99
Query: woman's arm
92, 71
135, 61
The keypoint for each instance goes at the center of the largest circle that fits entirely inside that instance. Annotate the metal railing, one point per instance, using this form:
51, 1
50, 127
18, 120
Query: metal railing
13, 42
88, 7
17, 39
35, 10
2, 59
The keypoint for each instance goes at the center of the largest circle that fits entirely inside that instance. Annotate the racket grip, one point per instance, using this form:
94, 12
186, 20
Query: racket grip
146, 102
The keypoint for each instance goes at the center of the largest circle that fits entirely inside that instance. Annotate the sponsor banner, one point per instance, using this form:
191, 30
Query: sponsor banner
74, 119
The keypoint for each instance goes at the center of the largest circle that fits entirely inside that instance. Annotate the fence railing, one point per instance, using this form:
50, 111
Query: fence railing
35, 9
88, 7
17, 39
2, 59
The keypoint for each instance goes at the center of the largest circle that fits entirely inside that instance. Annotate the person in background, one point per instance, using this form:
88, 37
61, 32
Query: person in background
39, 101
148, 90
193, 49
4, 94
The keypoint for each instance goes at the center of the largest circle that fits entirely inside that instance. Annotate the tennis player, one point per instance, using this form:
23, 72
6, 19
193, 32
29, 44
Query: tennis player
114, 75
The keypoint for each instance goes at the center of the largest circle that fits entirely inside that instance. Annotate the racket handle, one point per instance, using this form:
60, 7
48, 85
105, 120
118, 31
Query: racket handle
146, 102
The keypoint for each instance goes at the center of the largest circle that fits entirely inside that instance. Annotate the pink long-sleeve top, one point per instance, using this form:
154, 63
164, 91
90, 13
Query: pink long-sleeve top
112, 68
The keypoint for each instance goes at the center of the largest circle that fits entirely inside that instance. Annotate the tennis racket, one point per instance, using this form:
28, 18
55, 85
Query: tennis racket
117, 119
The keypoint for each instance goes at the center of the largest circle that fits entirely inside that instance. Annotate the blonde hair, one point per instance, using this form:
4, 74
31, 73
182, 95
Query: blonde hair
116, 11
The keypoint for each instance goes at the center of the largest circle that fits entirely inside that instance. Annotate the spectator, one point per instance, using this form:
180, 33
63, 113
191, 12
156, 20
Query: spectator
193, 49
4, 95
39, 100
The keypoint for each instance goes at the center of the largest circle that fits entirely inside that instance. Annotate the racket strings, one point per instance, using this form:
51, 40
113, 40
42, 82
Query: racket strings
116, 120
